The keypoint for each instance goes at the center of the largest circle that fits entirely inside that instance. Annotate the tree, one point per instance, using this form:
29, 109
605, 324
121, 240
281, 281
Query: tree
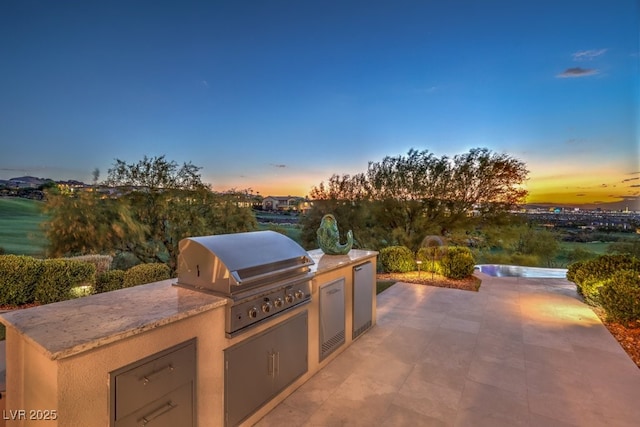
84, 223
158, 204
344, 197
409, 197
541, 243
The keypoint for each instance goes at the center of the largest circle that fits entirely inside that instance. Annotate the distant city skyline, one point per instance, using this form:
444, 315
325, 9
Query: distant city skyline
277, 96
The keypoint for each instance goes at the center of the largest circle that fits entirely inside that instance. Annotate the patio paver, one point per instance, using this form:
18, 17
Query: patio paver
520, 352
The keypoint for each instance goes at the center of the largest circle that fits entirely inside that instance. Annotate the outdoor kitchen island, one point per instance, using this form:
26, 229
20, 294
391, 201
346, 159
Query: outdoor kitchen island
158, 354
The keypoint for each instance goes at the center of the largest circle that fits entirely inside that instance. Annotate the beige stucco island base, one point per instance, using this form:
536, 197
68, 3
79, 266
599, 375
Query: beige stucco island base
69, 362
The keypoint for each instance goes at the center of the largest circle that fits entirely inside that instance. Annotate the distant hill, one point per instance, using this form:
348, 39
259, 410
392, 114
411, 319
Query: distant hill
35, 182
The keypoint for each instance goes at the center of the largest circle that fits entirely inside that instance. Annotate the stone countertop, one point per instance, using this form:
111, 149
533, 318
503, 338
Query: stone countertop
70, 327
325, 263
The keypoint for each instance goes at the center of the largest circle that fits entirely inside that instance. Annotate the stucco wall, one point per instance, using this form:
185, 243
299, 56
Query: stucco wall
81, 383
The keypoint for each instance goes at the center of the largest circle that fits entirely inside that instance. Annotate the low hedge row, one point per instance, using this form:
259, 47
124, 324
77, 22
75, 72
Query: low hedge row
455, 262
611, 282
26, 280
589, 276
102, 262
620, 296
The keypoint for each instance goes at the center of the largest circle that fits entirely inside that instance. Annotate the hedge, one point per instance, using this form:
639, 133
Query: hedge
102, 262
59, 276
110, 281
396, 259
146, 273
620, 296
589, 276
18, 277
457, 262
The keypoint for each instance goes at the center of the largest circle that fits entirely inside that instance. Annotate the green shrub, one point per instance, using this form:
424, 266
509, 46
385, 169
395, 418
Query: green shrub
102, 262
18, 277
124, 261
589, 276
526, 260
574, 271
110, 281
430, 257
580, 254
620, 296
146, 273
60, 276
457, 262
510, 259
396, 259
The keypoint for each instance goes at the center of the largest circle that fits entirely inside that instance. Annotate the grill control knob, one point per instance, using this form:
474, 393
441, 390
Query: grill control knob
299, 294
266, 307
278, 302
253, 312
289, 298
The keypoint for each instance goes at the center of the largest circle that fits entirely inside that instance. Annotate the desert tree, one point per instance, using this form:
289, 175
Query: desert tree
85, 223
418, 194
157, 203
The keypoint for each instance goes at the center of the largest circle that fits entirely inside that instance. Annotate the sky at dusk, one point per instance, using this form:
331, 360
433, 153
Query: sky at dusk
277, 96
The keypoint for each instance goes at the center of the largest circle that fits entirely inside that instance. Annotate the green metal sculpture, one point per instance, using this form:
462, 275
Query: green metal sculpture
329, 237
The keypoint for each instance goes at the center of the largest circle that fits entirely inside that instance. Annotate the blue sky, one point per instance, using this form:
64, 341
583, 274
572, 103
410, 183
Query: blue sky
277, 96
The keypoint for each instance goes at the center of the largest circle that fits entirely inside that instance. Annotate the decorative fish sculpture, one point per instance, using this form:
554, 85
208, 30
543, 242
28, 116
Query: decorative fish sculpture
329, 237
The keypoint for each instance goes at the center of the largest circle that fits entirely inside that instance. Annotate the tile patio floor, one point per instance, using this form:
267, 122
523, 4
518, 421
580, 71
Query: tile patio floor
520, 352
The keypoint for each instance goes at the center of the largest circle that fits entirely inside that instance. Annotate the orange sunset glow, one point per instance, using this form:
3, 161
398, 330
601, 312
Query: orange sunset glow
583, 189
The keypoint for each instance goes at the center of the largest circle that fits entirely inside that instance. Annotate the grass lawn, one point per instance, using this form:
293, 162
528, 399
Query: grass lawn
20, 231
599, 248
381, 285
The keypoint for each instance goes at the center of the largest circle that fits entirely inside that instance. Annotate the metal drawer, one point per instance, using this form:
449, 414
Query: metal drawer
171, 410
147, 380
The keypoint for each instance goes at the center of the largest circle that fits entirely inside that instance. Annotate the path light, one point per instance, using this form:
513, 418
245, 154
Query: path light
419, 263
432, 243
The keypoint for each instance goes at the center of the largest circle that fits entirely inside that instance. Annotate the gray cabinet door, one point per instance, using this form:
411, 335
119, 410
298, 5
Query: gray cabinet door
362, 298
291, 352
332, 317
260, 367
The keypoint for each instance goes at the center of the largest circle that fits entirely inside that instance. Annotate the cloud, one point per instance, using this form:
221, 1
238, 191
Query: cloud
630, 179
635, 186
205, 84
580, 194
577, 72
278, 165
588, 55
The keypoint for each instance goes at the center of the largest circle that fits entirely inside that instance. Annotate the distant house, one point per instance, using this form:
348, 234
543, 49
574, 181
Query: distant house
281, 203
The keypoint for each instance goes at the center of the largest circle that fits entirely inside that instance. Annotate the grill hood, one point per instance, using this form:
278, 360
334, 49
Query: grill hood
230, 263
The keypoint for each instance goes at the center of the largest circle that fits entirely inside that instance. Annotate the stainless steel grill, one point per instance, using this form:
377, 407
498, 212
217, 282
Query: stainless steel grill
262, 273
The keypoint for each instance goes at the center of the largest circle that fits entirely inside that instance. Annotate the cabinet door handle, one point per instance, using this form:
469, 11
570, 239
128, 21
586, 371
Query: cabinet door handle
277, 369
358, 268
148, 378
272, 365
156, 413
